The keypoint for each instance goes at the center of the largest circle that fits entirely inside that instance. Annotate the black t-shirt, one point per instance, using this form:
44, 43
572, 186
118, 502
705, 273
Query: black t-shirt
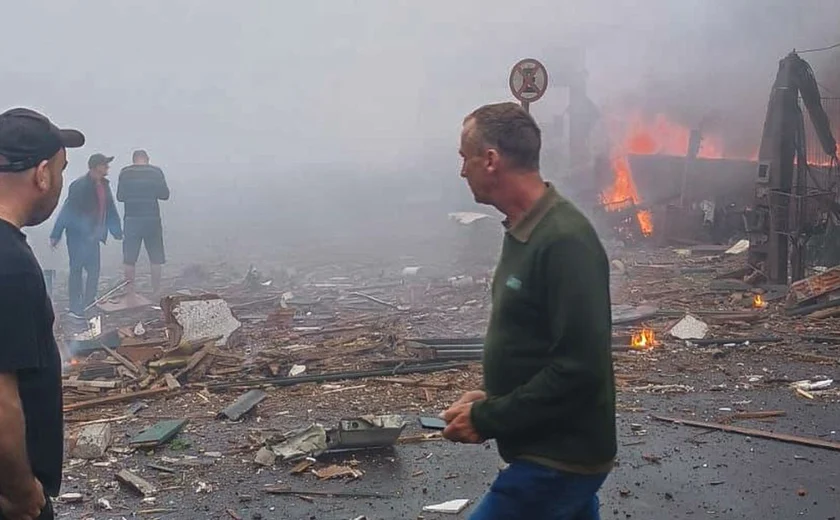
141, 186
28, 348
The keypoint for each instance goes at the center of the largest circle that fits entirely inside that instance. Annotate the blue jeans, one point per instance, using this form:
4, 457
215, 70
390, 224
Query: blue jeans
529, 491
84, 256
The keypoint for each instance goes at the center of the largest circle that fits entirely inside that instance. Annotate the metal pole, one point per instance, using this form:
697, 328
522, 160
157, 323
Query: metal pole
107, 295
527, 106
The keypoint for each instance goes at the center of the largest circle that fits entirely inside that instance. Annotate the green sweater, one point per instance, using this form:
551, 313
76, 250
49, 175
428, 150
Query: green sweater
547, 354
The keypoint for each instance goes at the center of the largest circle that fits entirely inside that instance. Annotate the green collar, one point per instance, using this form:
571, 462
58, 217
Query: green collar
523, 229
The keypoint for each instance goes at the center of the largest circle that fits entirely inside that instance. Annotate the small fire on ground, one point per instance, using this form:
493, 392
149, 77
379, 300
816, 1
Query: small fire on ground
643, 340
759, 302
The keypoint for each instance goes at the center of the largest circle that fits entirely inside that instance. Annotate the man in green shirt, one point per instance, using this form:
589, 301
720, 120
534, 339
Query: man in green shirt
549, 398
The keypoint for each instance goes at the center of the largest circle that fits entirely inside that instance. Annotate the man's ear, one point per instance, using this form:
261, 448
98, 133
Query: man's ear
492, 158
42, 177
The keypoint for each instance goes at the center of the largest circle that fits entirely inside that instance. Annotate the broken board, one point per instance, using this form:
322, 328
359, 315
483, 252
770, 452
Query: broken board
158, 434
627, 314
137, 484
243, 405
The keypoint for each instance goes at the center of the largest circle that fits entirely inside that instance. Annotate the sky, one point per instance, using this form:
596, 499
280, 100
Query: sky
240, 100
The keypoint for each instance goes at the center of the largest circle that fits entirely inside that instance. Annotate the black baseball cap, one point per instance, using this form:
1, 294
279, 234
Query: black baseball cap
98, 159
27, 138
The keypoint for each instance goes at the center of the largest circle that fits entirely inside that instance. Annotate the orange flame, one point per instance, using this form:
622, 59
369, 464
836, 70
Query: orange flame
758, 302
643, 340
646, 136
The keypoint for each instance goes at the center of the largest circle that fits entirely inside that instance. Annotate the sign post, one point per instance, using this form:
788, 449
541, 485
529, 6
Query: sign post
528, 81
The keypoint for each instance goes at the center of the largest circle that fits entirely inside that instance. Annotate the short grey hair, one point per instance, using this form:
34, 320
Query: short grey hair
511, 130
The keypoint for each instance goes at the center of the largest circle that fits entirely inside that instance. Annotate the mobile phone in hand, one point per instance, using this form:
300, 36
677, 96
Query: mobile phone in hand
432, 423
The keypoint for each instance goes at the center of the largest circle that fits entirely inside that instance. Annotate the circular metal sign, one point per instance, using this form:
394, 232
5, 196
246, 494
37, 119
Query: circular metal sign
528, 80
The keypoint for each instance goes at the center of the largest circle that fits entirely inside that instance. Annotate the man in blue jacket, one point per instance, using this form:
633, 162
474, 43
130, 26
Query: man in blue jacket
87, 216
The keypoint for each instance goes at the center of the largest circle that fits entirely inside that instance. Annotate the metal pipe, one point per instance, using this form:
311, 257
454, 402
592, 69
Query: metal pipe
107, 295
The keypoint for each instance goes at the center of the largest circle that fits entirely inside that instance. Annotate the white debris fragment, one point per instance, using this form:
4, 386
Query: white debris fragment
740, 247
689, 328
203, 317
104, 504
411, 271
71, 498
94, 330
466, 217
92, 442
809, 385
297, 370
203, 487
451, 507
139, 329
459, 282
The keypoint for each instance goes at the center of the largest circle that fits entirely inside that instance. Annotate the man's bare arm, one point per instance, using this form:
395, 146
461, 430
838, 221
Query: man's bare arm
16, 479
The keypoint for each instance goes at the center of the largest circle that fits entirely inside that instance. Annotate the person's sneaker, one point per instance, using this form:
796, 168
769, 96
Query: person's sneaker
76, 315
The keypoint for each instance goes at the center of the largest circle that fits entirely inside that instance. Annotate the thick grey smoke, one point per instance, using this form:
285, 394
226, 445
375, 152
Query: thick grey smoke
276, 117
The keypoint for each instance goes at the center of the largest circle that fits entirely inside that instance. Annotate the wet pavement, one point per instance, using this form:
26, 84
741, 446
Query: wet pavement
664, 471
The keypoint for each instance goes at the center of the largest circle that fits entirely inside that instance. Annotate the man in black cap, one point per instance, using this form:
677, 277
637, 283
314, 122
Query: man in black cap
88, 214
32, 162
141, 186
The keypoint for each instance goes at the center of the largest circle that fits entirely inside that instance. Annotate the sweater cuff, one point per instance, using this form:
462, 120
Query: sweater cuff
480, 421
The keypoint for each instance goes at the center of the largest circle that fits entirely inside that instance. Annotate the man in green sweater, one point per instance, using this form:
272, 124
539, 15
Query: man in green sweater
549, 399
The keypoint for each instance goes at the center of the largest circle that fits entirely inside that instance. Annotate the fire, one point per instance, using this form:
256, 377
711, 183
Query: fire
623, 193
643, 340
639, 135
758, 302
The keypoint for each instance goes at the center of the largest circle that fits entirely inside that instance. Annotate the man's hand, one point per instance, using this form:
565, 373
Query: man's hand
26, 507
471, 397
54, 242
459, 427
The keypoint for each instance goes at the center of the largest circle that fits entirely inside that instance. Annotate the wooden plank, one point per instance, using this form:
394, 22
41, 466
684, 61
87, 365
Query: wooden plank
160, 433
825, 313
160, 467
751, 432
276, 490
124, 361
243, 405
194, 360
171, 382
740, 416
169, 363
111, 399
75, 383
135, 483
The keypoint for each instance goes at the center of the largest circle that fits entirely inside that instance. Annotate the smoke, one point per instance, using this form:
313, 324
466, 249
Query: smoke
253, 108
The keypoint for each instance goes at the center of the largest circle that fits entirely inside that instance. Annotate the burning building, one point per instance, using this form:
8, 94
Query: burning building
657, 165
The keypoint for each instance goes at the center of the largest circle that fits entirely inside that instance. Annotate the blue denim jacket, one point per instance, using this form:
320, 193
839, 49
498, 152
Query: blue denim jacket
78, 215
